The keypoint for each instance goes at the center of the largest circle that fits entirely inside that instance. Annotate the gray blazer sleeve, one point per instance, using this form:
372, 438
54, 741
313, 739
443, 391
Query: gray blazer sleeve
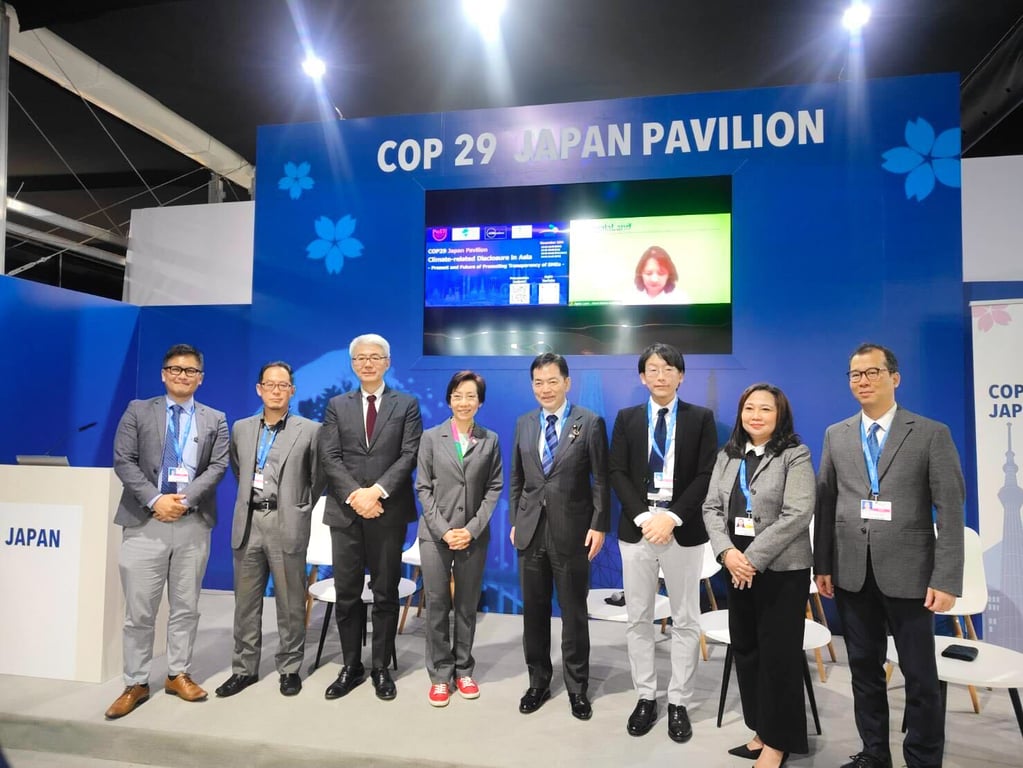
715, 508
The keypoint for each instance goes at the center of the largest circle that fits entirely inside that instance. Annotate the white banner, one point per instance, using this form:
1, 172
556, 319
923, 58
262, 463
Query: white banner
998, 401
40, 554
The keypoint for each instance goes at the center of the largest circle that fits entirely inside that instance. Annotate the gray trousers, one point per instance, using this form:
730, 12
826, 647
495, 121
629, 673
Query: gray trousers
152, 555
260, 555
681, 566
448, 657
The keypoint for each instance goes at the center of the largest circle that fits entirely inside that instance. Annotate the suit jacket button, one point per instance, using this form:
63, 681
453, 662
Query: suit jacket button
753, 491
863, 529
756, 519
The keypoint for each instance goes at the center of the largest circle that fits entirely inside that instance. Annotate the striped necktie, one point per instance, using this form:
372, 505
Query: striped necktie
550, 436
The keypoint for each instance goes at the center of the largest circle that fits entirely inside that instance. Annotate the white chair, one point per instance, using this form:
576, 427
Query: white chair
972, 601
714, 624
319, 552
412, 557
324, 591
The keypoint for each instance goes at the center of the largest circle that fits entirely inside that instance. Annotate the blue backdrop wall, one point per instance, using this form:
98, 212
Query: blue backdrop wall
851, 234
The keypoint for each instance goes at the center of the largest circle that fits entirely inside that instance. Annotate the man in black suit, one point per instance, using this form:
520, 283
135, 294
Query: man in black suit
662, 456
367, 447
560, 512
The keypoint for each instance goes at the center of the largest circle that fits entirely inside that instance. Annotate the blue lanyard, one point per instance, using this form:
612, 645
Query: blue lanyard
264, 446
179, 440
669, 437
744, 487
543, 429
875, 487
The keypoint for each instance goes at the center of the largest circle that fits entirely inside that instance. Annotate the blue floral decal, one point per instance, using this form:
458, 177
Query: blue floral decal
335, 243
296, 179
926, 158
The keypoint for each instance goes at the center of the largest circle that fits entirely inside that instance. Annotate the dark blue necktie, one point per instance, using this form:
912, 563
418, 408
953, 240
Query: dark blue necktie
170, 456
872, 445
550, 435
661, 441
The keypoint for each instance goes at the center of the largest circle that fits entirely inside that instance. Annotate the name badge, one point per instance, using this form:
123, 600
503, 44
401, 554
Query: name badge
257, 481
744, 526
663, 482
875, 510
177, 475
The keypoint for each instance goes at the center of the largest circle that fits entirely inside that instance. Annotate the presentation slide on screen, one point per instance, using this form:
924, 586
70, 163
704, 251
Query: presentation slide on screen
639, 260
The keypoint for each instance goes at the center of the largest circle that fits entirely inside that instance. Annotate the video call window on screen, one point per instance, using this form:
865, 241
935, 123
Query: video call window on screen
596, 268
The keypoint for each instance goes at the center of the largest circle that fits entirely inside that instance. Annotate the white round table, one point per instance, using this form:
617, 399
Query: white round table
598, 608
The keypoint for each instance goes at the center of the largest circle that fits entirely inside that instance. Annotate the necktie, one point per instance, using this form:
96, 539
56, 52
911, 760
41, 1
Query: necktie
170, 456
371, 416
660, 440
872, 445
550, 435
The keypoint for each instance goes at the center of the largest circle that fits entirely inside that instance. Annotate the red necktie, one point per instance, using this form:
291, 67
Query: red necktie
371, 416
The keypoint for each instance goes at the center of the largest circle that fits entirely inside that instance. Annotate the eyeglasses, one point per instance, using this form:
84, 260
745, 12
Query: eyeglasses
274, 386
363, 359
871, 374
460, 398
177, 370
667, 370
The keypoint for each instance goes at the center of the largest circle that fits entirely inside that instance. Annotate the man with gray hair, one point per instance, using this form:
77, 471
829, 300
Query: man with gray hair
367, 449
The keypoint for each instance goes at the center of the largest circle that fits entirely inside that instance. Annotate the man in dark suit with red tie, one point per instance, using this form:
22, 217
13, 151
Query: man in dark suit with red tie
559, 511
662, 456
367, 447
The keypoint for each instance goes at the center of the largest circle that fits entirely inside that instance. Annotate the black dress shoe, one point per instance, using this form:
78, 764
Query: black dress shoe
679, 727
581, 708
291, 684
235, 684
386, 689
642, 718
533, 699
347, 679
745, 752
867, 760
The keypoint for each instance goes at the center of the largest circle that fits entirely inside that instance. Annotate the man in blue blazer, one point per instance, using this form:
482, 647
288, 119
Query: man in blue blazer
367, 449
883, 474
662, 455
560, 511
170, 452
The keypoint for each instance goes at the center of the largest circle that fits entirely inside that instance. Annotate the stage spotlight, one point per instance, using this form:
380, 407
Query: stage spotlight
314, 66
486, 15
856, 16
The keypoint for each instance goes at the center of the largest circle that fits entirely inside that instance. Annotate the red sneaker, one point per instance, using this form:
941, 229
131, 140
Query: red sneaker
467, 688
440, 694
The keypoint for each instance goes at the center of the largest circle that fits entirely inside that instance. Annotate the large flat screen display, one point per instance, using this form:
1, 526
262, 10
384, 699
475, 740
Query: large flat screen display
595, 268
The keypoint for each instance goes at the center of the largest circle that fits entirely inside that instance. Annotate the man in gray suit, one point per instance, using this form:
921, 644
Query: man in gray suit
273, 457
368, 446
882, 472
169, 452
560, 511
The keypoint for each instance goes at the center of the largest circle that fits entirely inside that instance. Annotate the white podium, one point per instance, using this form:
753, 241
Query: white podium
61, 606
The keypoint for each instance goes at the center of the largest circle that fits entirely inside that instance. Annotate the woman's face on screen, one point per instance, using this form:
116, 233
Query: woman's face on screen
655, 277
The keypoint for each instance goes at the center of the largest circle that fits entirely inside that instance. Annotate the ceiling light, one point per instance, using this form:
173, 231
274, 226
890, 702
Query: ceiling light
856, 16
486, 15
314, 66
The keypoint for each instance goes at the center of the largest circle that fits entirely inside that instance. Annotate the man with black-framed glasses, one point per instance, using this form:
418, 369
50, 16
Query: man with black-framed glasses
883, 475
170, 452
273, 458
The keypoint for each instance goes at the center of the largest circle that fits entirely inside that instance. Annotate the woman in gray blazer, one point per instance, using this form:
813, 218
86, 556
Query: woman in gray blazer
459, 479
758, 513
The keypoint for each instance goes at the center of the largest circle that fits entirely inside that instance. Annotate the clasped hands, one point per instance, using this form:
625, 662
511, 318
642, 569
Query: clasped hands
458, 538
741, 569
366, 502
658, 529
170, 507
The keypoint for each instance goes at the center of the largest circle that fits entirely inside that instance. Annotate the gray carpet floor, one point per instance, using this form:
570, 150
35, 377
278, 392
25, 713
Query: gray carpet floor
49, 723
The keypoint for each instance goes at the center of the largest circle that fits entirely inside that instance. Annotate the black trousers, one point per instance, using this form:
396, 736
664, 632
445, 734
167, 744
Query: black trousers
541, 569
765, 623
865, 615
367, 544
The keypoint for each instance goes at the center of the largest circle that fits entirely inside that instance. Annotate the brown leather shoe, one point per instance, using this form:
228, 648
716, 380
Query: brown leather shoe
183, 687
133, 696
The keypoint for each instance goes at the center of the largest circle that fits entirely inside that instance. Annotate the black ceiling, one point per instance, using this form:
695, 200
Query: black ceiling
231, 65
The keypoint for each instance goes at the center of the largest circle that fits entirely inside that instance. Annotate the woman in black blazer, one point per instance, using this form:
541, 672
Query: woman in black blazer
458, 480
758, 513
